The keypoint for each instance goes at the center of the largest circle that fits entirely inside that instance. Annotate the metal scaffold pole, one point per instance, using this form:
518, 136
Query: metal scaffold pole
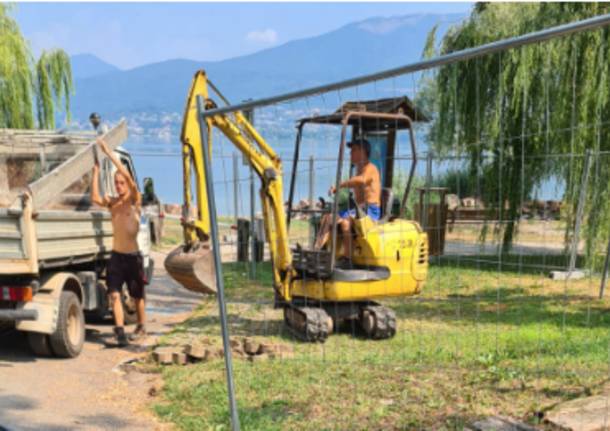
209, 184
466, 54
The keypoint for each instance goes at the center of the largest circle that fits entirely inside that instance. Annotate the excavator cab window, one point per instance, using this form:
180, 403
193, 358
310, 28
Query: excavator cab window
381, 154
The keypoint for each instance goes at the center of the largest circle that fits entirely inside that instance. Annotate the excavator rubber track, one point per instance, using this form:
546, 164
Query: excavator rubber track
377, 321
312, 324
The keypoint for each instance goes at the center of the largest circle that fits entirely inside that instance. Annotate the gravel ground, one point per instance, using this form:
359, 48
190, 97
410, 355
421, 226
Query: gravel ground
89, 392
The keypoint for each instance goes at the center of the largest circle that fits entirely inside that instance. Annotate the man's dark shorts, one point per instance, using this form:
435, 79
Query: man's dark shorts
126, 268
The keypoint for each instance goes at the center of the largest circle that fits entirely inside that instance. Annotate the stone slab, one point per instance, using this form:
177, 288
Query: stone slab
500, 423
566, 275
164, 355
583, 414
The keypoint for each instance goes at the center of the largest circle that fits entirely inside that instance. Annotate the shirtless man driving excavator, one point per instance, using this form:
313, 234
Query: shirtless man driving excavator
367, 194
125, 265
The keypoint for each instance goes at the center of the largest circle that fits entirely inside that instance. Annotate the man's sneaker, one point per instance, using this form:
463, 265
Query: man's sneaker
121, 338
138, 334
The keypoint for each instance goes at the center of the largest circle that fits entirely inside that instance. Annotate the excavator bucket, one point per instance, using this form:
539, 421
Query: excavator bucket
193, 268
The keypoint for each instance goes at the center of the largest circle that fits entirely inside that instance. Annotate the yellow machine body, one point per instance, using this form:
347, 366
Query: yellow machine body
401, 246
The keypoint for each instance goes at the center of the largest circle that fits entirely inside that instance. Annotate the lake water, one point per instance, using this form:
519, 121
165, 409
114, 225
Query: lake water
161, 160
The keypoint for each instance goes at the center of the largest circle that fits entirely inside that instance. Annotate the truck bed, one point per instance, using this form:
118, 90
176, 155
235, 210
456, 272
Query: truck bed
61, 238
34, 234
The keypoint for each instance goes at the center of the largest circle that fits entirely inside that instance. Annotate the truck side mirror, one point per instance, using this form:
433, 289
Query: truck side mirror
149, 190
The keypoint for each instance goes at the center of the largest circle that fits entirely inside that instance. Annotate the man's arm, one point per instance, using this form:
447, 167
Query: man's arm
133, 188
96, 198
357, 180
364, 179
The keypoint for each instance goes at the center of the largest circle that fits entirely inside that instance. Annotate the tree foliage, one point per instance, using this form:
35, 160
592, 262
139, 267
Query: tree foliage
30, 88
528, 115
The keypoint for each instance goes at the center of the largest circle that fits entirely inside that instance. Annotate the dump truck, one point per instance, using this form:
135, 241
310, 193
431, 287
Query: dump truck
54, 244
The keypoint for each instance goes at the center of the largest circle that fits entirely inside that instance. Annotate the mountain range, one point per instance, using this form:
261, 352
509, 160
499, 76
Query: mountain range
355, 49
88, 65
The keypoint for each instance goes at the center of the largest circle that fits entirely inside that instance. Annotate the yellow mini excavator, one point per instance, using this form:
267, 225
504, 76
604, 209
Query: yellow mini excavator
316, 291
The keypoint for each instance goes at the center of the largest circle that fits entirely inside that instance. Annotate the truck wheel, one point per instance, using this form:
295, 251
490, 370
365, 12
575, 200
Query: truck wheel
130, 313
68, 339
40, 344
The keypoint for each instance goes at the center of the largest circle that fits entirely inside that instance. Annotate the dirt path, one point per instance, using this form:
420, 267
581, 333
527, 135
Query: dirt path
89, 392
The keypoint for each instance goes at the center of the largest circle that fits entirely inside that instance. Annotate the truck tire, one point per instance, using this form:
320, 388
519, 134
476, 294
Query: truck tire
68, 339
40, 344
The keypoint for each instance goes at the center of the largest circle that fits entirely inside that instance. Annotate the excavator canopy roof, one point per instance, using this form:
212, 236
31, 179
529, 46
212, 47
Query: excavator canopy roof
391, 106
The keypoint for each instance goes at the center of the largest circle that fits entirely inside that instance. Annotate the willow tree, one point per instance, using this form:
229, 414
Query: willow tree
30, 88
528, 115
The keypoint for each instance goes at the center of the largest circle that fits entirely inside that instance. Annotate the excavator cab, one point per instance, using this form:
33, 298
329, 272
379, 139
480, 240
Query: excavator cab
377, 121
389, 257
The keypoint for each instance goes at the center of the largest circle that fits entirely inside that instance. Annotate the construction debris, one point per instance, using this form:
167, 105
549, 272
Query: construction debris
258, 358
179, 358
163, 355
202, 351
196, 352
251, 347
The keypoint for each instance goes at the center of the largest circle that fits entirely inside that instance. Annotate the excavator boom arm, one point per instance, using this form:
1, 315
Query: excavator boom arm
265, 163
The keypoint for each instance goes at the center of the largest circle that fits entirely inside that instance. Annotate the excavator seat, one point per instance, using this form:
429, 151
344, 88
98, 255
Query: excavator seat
311, 263
316, 264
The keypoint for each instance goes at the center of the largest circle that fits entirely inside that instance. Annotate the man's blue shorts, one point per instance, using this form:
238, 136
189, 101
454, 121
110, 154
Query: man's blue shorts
373, 211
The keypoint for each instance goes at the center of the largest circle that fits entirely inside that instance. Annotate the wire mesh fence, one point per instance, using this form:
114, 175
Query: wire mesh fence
490, 333
485, 331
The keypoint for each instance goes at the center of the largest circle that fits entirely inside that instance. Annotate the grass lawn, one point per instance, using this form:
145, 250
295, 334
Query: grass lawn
475, 342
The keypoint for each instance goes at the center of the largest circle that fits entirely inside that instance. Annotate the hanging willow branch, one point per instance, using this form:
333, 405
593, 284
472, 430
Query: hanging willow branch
54, 86
532, 101
24, 84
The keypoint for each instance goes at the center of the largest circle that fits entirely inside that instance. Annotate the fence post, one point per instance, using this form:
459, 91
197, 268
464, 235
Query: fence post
218, 265
252, 272
602, 287
311, 204
235, 186
249, 114
424, 216
579, 212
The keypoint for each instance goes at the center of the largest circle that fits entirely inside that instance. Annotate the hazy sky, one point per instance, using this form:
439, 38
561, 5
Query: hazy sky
132, 34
